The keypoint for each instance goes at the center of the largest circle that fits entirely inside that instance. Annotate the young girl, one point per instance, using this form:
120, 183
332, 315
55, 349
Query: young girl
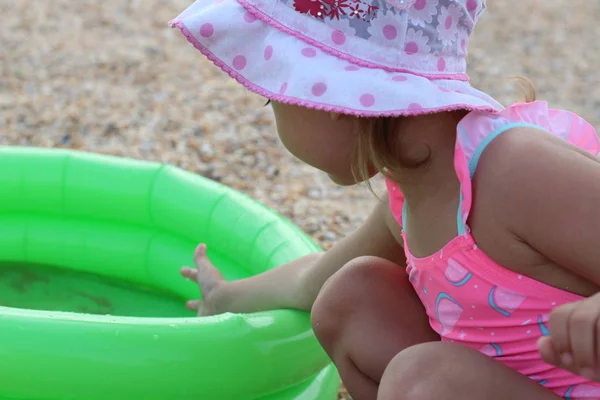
475, 277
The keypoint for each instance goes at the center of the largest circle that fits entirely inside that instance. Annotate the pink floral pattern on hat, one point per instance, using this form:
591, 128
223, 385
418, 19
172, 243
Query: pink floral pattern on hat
423, 12
448, 21
361, 57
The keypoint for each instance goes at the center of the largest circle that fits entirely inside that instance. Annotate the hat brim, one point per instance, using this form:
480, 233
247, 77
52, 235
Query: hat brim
284, 68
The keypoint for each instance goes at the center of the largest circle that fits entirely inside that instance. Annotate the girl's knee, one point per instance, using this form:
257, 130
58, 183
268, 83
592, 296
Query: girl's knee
338, 297
417, 373
349, 278
350, 293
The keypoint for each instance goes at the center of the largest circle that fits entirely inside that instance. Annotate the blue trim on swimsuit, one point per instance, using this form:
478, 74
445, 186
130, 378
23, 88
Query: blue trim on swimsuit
488, 139
461, 228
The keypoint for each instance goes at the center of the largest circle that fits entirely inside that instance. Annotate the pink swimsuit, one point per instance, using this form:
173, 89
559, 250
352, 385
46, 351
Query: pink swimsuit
471, 299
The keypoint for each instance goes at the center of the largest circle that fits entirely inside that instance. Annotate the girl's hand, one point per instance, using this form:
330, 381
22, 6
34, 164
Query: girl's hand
210, 281
574, 341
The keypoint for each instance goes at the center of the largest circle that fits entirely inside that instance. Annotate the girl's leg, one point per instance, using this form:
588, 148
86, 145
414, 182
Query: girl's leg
364, 315
447, 371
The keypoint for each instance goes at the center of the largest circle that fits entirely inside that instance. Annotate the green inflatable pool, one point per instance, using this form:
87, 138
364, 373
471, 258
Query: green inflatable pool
91, 301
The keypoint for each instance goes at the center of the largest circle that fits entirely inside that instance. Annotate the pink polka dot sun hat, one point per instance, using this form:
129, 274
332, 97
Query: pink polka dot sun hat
360, 57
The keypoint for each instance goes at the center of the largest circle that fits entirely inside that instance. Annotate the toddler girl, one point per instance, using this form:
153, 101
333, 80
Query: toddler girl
475, 277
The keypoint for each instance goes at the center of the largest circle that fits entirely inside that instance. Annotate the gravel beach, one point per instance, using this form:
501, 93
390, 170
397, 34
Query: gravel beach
110, 77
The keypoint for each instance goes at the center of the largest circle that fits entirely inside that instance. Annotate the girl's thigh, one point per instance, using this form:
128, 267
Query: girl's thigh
448, 371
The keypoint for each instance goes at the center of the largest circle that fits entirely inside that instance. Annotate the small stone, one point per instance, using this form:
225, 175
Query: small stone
272, 171
147, 145
111, 129
207, 149
329, 236
65, 139
248, 160
315, 193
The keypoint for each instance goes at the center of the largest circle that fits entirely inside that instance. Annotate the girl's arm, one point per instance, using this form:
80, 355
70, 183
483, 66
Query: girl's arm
296, 284
549, 192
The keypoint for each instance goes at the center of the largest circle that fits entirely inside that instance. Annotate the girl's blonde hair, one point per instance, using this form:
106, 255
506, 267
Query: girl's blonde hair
377, 144
525, 88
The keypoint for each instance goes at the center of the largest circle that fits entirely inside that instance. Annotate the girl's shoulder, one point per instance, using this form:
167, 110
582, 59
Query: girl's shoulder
526, 154
509, 145
541, 185
521, 128
532, 160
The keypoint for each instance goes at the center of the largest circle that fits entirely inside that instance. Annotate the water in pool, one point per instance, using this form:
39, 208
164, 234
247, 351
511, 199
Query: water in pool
48, 288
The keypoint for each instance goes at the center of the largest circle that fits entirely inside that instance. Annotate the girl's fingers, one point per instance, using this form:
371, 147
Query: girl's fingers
198, 305
546, 349
193, 305
582, 334
189, 273
559, 334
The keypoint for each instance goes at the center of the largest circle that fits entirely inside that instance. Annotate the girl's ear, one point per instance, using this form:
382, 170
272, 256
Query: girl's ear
335, 116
